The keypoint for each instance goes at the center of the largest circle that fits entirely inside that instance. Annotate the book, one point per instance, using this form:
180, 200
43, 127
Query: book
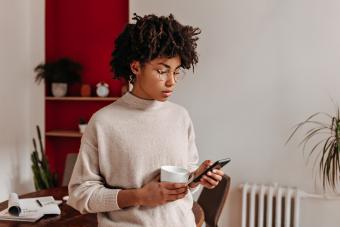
30, 209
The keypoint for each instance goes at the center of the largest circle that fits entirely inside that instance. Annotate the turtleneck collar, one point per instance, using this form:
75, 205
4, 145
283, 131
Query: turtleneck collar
139, 103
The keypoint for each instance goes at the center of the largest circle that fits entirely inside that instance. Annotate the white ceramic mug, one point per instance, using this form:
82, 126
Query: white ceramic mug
174, 174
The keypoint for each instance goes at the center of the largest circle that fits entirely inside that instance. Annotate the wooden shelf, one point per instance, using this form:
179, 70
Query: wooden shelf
64, 133
76, 98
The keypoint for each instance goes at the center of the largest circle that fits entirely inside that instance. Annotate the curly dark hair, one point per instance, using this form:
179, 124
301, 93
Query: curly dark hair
151, 37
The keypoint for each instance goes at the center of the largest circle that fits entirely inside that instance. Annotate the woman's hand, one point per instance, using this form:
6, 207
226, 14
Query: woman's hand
209, 180
157, 193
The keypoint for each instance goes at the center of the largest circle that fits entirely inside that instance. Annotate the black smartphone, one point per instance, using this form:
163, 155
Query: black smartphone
217, 165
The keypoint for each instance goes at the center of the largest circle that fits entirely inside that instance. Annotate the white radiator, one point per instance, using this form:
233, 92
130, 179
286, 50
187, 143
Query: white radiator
273, 206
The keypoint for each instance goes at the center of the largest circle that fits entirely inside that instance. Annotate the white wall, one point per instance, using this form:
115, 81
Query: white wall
264, 66
21, 101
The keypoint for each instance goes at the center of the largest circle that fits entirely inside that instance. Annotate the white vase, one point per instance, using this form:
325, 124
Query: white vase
82, 128
59, 89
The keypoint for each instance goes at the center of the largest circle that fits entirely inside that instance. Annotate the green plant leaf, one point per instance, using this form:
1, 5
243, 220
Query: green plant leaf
309, 136
315, 146
307, 121
43, 178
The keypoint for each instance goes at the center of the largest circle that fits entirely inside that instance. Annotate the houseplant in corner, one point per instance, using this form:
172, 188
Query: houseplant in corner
43, 178
327, 148
58, 74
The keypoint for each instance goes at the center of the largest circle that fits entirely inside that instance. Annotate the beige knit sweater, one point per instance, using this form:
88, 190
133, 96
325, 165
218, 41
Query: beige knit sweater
123, 147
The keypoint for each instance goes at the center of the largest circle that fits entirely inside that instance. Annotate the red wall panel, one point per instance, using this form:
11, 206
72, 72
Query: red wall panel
83, 30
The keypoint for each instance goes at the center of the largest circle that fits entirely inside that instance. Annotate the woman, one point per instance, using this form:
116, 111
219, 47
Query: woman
125, 143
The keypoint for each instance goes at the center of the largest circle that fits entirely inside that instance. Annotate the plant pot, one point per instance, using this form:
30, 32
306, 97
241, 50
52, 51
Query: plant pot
82, 127
59, 89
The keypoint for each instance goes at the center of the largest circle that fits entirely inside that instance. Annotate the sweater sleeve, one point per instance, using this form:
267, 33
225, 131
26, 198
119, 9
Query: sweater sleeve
87, 191
192, 149
192, 152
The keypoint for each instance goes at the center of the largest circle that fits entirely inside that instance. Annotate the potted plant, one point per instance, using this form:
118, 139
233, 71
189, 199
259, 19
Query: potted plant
59, 74
327, 148
42, 176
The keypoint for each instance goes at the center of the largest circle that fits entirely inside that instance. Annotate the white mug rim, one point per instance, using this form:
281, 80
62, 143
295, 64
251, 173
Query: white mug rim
174, 169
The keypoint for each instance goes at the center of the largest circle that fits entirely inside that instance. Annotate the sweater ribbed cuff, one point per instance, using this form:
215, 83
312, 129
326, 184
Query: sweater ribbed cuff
104, 200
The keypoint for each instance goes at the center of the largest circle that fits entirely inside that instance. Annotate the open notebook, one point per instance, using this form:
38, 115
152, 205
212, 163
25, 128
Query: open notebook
31, 209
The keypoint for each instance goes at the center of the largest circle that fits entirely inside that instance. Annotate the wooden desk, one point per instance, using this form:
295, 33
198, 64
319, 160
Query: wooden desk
70, 216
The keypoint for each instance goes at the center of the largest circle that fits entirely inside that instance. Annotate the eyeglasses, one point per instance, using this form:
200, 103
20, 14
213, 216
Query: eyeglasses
164, 74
